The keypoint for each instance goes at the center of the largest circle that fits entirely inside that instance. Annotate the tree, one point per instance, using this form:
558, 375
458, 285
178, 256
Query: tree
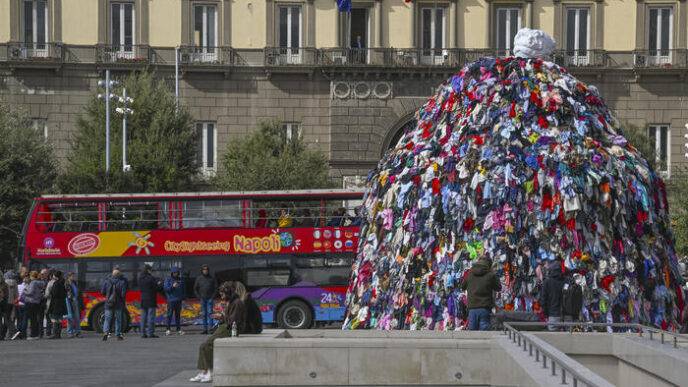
27, 169
268, 160
161, 143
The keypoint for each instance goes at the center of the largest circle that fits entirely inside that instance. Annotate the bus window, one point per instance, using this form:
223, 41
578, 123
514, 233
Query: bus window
315, 271
212, 213
74, 217
257, 278
132, 216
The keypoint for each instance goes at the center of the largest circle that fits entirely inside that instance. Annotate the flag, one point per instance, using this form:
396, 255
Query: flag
344, 5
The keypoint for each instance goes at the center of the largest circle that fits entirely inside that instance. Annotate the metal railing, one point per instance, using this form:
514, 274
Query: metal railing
35, 52
288, 56
640, 329
123, 54
206, 56
324, 57
662, 58
548, 358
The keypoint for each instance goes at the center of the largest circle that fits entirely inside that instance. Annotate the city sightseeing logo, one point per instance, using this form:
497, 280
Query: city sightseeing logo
48, 248
83, 244
141, 242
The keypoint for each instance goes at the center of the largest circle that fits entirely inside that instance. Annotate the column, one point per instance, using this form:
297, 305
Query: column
377, 14
453, 24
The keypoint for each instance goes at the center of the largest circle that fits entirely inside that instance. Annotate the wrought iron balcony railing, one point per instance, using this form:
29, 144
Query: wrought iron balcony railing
35, 52
206, 56
660, 58
288, 56
123, 54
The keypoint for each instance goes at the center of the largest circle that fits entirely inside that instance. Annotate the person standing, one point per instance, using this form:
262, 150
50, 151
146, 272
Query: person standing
234, 294
45, 276
480, 284
115, 292
174, 291
204, 288
150, 286
33, 298
12, 295
4, 307
57, 307
551, 296
74, 306
22, 315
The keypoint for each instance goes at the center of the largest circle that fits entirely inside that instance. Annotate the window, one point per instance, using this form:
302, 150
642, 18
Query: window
577, 35
508, 23
432, 35
290, 34
35, 29
205, 33
122, 30
291, 130
41, 126
207, 152
660, 138
660, 33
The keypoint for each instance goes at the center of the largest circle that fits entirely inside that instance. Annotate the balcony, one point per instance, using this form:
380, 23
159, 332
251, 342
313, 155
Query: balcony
123, 55
284, 59
288, 56
38, 55
665, 59
580, 58
198, 56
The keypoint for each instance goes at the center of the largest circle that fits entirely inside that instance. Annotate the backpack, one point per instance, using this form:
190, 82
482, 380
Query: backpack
114, 297
571, 298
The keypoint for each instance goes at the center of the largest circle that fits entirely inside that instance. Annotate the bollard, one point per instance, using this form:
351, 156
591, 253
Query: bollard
662, 337
554, 367
537, 355
575, 382
544, 361
530, 350
675, 343
651, 331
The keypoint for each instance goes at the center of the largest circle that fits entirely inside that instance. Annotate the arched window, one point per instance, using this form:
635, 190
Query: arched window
410, 125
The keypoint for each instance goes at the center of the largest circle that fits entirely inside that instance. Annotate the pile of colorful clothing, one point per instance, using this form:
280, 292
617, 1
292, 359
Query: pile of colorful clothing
518, 160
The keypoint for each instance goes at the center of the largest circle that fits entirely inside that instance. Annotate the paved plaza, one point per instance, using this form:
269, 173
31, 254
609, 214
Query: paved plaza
92, 362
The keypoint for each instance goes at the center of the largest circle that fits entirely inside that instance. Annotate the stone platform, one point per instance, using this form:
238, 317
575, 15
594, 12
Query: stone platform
422, 358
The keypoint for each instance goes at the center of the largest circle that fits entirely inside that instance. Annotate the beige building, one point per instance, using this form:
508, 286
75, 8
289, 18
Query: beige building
346, 83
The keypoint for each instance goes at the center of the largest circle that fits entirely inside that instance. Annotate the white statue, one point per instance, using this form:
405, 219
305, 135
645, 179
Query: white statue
533, 44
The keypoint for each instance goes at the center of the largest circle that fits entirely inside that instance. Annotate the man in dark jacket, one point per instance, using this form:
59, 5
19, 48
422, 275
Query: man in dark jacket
115, 292
174, 291
204, 289
480, 283
150, 286
57, 307
551, 296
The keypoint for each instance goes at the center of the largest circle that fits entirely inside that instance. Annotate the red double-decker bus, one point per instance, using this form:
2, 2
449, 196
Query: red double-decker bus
293, 249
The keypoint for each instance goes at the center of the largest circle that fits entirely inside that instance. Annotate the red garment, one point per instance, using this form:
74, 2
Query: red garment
436, 186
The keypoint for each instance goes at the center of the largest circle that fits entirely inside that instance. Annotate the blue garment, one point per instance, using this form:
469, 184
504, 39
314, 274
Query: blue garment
115, 291
174, 293
73, 316
344, 5
479, 319
109, 312
147, 321
206, 312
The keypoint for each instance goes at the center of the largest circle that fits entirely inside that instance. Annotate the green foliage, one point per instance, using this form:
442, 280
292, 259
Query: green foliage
161, 144
27, 169
677, 187
639, 138
267, 160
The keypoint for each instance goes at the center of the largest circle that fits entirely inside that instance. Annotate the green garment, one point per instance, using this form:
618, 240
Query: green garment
205, 352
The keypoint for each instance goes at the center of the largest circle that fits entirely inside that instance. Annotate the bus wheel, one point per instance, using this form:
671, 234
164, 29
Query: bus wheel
294, 314
98, 318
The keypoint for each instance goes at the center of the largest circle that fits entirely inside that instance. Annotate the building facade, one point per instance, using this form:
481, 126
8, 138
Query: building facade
347, 83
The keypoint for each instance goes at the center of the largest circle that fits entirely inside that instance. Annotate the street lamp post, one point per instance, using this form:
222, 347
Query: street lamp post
124, 111
107, 83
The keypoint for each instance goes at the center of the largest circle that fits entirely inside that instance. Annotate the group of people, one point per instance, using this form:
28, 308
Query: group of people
34, 304
305, 218
115, 288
